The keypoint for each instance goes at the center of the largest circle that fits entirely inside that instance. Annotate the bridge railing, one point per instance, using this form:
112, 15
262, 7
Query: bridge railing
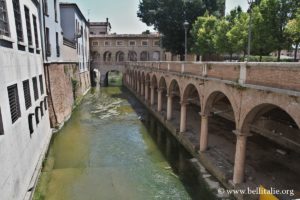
276, 75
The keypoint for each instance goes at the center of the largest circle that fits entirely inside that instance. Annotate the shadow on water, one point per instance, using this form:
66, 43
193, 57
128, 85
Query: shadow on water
172, 150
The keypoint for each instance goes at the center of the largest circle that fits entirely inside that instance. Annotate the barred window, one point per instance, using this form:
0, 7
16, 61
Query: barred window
41, 84
4, 26
14, 103
18, 20
35, 88
27, 96
36, 35
1, 124
28, 25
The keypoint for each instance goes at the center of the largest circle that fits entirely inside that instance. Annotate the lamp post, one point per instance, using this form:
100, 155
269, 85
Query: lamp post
250, 2
185, 26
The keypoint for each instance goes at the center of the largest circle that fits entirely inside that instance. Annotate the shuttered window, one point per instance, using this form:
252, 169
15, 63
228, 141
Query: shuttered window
18, 20
37, 44
27, 96
1, 124
35, 88
4, 26
41, 84
28, 25
14, 103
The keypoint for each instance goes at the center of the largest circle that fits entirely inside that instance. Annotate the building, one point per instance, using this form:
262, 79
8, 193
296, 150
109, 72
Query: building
126, 47
24, 119
66, 58
100, 28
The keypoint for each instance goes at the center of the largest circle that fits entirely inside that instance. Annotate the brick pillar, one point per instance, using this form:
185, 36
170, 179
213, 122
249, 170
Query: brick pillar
142, 89
146, 92
152, 96
138, 87
240, 157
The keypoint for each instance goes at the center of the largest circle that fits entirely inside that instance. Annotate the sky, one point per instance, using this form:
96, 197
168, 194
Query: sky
122, 13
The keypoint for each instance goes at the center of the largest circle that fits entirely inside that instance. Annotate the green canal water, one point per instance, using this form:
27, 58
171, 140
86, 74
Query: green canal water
106, 152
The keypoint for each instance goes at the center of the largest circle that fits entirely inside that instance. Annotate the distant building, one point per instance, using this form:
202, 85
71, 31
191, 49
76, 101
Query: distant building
126, 47
24, 120
100, 28
287, 54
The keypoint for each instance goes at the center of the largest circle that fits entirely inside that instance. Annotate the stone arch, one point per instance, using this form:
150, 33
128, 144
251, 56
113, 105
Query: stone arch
120, 56
144, 56
260, 110
107, 56
174, 86
190, 88
132, 56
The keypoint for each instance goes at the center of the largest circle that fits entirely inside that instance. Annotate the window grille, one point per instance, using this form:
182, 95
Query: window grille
27, 96
18, 20
28, 25
35, 88
4, 26
41, 84
14, 103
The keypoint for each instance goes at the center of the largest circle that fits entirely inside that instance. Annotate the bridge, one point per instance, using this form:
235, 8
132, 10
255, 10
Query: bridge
242, 117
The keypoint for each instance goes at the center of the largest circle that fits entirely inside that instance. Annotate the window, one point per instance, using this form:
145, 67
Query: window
36, 36
55, 10
14, 103
132, 43
144, 43
106, 43
27, 96
46, 7
18, 20
42, 108
57, 45
119, 43
45, 103
28, 25
35, 88
4, 26
95, 43
41, 84
37, 117
1, 124
156, 43
48, 45
30, 123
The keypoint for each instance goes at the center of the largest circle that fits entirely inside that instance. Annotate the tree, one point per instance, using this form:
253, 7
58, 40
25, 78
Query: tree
203, 32
293, 32
168, 16
238, 34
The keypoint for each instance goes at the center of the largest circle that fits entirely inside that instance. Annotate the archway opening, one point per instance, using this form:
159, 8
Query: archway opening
154, 90
107, 56
147, 88
114, 78
162, 87
191, 98
273, 153
144, 56
120, 56
221, 145
132, 56
173, 113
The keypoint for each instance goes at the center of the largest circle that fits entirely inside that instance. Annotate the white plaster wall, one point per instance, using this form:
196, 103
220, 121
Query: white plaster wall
19, 154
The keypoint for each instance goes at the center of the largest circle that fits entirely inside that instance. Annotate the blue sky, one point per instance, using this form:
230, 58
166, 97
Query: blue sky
122, 13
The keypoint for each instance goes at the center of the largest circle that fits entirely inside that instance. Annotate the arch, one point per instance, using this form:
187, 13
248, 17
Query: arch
113, 78
162, 83
154, 81
132, 56
144, 56
214, 97
263, 109
120, 56
107, 56
156, 56
173, 87
189, 90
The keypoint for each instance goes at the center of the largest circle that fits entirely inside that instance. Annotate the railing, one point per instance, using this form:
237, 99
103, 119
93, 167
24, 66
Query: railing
275, 75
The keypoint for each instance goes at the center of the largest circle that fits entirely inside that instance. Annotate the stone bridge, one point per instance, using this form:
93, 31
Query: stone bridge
105, 67
218, 106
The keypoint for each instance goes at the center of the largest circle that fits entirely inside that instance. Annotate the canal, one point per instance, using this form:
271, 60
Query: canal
111, 148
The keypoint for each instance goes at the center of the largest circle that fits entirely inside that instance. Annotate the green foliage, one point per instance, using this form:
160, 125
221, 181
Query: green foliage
204, 30
168, 16
293, 32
